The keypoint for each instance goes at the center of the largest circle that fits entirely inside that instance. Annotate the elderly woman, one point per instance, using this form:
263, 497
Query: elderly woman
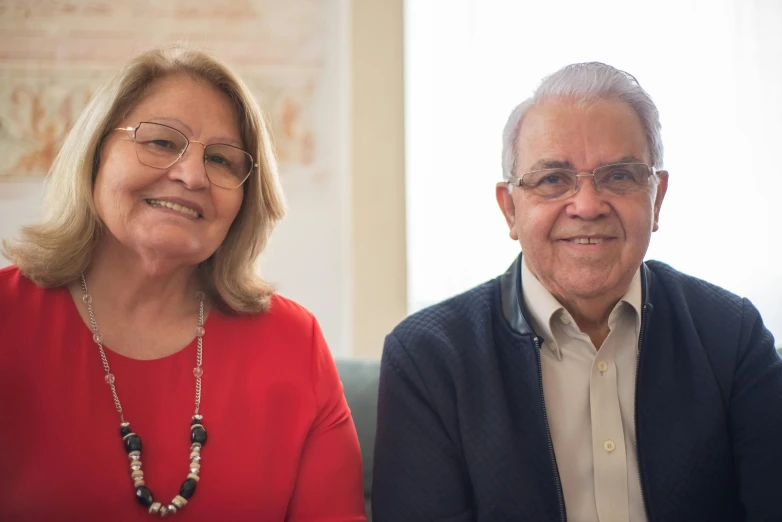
140, 353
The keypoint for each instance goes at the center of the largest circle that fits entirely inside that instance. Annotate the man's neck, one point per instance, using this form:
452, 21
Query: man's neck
591, 316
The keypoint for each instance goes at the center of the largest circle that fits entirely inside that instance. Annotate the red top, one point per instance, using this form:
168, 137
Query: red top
281, 442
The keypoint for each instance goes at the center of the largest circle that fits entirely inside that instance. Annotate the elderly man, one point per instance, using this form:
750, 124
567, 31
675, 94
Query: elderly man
584, 384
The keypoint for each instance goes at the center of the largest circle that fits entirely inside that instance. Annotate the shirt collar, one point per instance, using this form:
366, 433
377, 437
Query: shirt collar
541, 304
544, 307
633, 296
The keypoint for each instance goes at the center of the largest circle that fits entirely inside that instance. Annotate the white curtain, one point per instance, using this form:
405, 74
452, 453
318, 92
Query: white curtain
714, 69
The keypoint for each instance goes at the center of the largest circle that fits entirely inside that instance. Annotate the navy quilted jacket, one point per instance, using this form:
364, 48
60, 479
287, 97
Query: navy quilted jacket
462, 434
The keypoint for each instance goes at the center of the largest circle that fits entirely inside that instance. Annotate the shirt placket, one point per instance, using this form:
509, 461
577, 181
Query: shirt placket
608, 442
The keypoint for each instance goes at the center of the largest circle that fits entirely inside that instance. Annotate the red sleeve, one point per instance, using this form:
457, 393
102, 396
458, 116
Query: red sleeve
329, 486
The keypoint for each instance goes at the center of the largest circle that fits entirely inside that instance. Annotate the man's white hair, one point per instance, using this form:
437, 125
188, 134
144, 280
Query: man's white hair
585, 83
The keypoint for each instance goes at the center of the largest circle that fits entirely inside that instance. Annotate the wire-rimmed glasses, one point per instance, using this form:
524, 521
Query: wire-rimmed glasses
160, 146
620, 179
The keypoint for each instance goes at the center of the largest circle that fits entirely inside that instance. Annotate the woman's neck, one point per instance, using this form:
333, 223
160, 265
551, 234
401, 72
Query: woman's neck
126, 286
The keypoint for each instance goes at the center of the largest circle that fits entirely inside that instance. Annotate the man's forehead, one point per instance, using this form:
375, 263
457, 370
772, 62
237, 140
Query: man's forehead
562, 134
552, 163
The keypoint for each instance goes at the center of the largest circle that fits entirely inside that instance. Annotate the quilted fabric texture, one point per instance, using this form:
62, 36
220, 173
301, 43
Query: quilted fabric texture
461, 433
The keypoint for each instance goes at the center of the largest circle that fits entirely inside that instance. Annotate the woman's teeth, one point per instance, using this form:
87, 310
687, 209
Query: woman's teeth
173, 206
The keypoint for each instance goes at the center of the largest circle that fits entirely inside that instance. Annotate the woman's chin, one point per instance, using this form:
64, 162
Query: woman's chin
161, 243
178, 249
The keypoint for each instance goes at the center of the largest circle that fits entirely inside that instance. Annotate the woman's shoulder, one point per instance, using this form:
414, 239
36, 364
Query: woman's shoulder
285, 321
22, 299
14, 285
9, 274
290, 314
285, 340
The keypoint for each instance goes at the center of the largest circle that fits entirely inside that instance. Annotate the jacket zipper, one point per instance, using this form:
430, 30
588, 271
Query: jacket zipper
560, 495
635, 416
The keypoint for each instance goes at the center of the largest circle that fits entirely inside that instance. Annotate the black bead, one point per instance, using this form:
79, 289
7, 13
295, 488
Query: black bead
187, 489
144, 496
125, 430
133, 443
198, 435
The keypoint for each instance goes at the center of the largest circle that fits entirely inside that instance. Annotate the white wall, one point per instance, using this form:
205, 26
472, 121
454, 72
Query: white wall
714, 68
309, 255
20, 204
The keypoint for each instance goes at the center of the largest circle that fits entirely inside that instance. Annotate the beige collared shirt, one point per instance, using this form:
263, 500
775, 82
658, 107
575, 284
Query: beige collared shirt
590, 404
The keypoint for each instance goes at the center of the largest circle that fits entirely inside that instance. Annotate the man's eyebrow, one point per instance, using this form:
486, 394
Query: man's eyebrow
551, 164
626, 159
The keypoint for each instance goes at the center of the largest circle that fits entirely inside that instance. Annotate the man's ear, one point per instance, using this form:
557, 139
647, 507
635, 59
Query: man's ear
504, 194
662, 188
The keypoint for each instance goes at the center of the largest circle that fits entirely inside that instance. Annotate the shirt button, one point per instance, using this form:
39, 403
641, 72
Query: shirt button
564, 318
602, 366
609, 446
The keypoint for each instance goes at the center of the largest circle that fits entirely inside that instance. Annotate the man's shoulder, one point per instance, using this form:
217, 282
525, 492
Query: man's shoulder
455, 321
715, 315
682, 288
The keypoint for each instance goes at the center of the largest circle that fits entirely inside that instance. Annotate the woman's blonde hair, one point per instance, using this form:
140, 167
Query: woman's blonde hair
58, 249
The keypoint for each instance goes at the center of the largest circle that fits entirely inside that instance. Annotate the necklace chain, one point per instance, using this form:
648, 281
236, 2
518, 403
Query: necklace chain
133, 443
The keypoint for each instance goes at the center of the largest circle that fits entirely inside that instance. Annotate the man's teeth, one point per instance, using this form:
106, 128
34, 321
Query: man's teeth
587, 240
173, 206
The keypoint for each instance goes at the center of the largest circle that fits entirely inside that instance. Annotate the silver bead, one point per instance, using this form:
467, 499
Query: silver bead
195, 459
200, 332
171, 509
164, 511
87, 298
194, 471
154, 509
97, 337
195, 446
109, 378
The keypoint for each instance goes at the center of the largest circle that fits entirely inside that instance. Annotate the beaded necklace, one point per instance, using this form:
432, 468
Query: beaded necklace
132, 442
